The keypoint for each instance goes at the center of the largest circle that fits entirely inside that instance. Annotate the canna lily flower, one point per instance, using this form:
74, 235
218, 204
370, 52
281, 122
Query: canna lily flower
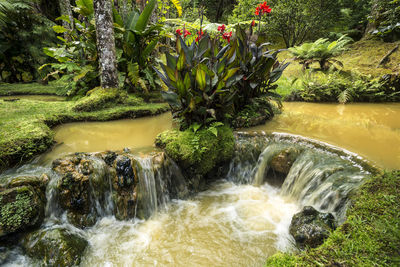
186, 33
221, 28
179, 31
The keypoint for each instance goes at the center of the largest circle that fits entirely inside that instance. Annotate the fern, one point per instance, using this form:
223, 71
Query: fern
345, 96
178, 6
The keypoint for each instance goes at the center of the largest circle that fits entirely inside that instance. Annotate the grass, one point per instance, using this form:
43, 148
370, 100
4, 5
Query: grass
25, 125
369, 237
361, 57
32, 89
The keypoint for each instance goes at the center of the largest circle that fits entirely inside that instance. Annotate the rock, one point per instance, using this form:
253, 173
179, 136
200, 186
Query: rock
83, 182
55, 247
37, 183
283, 161
21, 208
310, 227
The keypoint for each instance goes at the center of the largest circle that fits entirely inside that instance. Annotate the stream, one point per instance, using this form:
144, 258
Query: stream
243, 217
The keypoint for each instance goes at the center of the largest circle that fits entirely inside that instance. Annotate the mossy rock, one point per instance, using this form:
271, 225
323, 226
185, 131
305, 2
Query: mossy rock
21, 208
55, 247
198, 152
100, 98
283, 161
310, 227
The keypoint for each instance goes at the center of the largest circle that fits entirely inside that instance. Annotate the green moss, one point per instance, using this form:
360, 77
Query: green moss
369, 237
198, 152
18, 209
101, 98
55, 247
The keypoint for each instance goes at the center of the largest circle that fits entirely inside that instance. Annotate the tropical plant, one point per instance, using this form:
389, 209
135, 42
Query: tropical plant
260, 67
320, 51
207, 83
76, 56
136, 41
199, 80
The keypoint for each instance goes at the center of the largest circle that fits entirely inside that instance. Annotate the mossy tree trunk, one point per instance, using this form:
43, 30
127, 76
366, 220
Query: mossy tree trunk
66, 10
106, 43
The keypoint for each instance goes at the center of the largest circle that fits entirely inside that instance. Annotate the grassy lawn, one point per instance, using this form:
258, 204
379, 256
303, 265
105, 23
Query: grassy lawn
369, 237
25, 125
32, 89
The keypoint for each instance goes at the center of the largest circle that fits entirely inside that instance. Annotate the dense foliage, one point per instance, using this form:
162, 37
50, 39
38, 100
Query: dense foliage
338, 87
23, 34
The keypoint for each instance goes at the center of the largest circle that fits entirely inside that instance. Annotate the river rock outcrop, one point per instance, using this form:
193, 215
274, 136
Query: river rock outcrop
55, 247
310, 227
22, 204
121, 183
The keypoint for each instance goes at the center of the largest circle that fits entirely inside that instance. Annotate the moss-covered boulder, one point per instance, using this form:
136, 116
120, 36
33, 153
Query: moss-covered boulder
100, 98
55, 247
21, 208
310, 227
283, 161
257, 112
198, 152
39, 184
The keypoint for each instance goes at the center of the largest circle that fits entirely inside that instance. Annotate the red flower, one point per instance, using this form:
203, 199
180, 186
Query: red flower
221, 28
179, 31
227, 36
262, 9
186, 33
253, 23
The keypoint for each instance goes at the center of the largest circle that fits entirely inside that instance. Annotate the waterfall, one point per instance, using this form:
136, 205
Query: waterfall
321, 175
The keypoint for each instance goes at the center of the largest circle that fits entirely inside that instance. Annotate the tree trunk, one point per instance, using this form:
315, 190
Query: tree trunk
66, 10
105, 43
372, 24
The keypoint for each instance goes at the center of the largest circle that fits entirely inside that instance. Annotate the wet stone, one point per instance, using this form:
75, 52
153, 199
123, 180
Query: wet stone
310, 227
55, 247
125, 173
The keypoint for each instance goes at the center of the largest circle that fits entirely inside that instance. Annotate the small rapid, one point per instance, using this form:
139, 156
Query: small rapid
138, 209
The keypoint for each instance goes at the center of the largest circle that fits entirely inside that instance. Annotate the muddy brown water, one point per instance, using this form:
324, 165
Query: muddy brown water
370, 130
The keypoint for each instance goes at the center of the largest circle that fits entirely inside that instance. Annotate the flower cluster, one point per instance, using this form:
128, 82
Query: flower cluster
262, 9
185, 32
199, 35
222, 28
227, 36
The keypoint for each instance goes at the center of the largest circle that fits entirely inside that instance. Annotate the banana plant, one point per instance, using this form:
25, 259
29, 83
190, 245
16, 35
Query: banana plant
200, 80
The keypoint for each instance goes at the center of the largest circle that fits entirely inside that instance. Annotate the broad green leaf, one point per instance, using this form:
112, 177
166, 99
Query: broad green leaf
201, 78
181, 61
145, 16
230, 73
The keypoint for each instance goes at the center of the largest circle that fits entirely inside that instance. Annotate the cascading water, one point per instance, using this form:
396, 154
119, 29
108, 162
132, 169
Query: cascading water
240, 220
